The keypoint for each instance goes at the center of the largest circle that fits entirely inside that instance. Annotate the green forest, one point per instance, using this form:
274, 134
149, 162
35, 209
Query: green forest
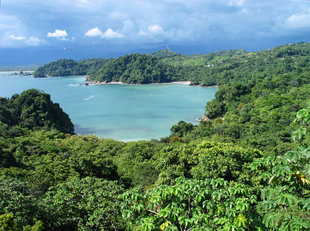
69, 67
245, 166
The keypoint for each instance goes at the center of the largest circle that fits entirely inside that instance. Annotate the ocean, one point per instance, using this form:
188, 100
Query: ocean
121, 112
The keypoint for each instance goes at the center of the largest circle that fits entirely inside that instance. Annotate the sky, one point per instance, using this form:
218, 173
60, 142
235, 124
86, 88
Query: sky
40, 31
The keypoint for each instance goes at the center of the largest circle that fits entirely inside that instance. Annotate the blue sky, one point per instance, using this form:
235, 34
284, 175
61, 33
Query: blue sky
38, 31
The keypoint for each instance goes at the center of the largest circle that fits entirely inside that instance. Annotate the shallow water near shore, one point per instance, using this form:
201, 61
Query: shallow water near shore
121, 112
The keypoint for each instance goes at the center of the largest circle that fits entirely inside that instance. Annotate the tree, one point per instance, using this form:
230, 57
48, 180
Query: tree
181, 129
35, 109
206, 160
285, 201
210, 204
85, 204
16, 199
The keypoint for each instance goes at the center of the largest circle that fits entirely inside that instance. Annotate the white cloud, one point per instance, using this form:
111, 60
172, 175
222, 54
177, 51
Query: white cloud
238, 3
60, 34
20, 41
94, 32
13, 37
296, 21
109, 33
156, 29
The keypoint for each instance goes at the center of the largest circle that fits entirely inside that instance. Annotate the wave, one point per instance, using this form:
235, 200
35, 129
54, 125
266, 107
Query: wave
74, 85
89, 98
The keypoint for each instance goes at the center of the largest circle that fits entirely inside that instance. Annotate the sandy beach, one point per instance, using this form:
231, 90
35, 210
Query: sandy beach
188, 83
121, 83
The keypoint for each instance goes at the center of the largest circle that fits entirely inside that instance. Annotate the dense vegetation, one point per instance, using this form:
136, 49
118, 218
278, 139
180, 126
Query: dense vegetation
33, 109
165, 66
258, 103
68, 67
245, 167
135, 69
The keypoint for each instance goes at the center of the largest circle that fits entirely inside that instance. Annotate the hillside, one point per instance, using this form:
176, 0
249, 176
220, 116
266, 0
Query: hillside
258, 99
135, 69
216, 68
69, 67
33, 109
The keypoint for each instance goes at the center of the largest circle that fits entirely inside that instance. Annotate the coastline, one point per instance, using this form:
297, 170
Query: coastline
188, 83
48, 76
90, 82
122, 83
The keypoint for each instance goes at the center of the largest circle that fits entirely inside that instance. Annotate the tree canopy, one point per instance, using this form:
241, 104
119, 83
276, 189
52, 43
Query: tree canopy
135, 69
34, 109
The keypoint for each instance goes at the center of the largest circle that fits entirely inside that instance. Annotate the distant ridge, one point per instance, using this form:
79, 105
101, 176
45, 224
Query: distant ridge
211, 69
165, 53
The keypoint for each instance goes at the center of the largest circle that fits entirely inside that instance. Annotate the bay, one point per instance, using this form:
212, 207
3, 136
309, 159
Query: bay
121, 112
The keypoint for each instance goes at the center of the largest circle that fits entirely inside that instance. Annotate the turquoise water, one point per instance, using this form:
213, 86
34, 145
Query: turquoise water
121, 112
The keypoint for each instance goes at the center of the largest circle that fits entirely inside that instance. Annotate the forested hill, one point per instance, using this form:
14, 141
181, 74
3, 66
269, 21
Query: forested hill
258, 99
135, 69
32, 110
218, 68
67, 67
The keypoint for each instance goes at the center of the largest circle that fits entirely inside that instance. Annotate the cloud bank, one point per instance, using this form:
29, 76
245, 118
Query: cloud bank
204, 23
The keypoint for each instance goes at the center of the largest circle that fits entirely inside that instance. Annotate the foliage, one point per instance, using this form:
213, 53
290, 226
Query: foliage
62, 67
34, 109
38, 226
135, 69
257, 101
69, 67
6, 222
210, 204
136, 164
16, 199
51, 158
181, 129
285, 201
206, 160
85, 204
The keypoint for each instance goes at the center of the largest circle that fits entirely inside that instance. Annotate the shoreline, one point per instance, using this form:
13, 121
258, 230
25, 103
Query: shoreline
122, 83
49, 77
188, 83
